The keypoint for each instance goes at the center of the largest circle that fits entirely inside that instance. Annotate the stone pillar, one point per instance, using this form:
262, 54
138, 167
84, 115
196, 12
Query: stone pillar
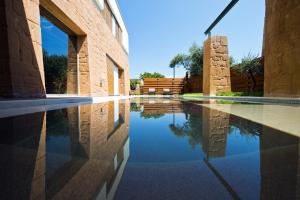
215, 128
84, 70
21, 60
282, 48
72, 66
216, 68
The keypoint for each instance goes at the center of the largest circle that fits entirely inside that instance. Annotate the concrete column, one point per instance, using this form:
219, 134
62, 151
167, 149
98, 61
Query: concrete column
282, 48
215, 129
216, 69
21, 65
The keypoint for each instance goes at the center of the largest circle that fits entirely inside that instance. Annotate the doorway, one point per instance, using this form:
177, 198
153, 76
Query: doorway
116, 81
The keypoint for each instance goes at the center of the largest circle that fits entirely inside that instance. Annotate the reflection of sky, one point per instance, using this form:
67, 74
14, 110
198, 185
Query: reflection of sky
54, 41
153, 141
58, 152
241, 166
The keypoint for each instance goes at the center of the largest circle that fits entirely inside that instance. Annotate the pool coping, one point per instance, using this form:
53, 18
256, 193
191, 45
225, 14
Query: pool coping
26, 106
279, 100
9, 108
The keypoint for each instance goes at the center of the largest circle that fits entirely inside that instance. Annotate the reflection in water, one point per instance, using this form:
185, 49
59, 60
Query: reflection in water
74, 153
239, 159
178, 150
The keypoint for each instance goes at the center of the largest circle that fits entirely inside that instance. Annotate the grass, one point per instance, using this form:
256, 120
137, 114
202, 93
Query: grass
192, 95
240, 94
227, 94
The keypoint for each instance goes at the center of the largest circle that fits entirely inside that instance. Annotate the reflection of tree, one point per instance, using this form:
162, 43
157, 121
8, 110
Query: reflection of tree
151, 115
191, 128
246, 128
57, 123
134, 107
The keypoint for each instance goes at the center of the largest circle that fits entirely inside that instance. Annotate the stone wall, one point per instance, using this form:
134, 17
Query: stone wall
216, 71
282, 48
22, 70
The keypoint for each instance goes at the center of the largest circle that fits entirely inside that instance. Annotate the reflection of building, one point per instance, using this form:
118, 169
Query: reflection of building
279, 158
215, 127
84, 162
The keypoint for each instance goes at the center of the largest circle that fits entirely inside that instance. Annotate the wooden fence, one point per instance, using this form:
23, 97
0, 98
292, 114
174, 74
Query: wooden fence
164, 107
244, 83
163, 85
194, 84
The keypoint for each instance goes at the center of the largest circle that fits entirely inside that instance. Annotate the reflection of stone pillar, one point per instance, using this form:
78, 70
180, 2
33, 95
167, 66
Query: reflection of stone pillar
282, 48
215, 128
22, 152
216, 69
279, 155
38, 184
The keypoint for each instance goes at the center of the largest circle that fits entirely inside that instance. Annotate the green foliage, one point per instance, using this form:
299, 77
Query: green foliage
196, 56
151, 75
193, 62
193, 95
250, 64
231, 61
134, 107
180, 60
133, 83
55, 73
240, 94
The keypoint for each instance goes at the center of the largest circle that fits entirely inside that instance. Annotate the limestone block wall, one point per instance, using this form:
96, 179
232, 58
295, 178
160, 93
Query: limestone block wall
282, 48
22, 69
216, 69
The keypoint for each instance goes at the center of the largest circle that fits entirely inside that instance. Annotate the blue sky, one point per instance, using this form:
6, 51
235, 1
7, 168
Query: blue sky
159, 29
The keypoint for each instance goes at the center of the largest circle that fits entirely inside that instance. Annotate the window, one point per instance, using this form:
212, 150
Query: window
114, 26
112, 22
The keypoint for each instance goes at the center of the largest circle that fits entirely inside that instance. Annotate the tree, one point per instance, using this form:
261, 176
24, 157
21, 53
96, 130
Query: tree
252, 66
196, 57
55, 73
231, 61
133, 83
151, 75
193, 62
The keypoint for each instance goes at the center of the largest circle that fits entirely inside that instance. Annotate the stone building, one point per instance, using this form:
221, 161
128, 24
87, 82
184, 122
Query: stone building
97, 50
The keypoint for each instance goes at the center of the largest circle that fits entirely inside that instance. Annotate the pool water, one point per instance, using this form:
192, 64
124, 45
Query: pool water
151, 148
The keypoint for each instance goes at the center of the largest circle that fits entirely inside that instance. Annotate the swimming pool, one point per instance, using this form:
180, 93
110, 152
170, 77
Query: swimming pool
146, 148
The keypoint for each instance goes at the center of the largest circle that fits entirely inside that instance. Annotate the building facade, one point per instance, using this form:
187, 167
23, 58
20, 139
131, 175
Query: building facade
97, 47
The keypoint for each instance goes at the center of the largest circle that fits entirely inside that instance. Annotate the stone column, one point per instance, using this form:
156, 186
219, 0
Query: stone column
282, 48
84, 70
216, 68
72, 79
21, 59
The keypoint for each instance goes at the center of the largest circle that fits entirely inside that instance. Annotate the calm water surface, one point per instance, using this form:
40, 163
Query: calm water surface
145, 149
